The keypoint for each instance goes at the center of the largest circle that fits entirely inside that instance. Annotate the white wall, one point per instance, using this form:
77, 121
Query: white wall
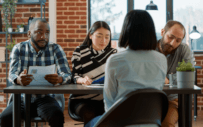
52, 20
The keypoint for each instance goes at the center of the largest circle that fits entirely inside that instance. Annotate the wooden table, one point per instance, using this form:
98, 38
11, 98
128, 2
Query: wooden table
184, 99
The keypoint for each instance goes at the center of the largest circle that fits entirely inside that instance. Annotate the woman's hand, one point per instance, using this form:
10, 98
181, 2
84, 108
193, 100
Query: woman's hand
87, 81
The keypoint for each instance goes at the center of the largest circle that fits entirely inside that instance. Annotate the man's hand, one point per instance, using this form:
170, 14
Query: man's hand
87, 81
24, 79
53, 78
166, 81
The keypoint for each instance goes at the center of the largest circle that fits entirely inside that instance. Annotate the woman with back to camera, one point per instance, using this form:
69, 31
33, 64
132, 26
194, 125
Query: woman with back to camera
137, 67
88, 62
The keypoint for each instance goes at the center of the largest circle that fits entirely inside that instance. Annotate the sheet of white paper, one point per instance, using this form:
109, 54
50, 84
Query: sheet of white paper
39, 73
95, 85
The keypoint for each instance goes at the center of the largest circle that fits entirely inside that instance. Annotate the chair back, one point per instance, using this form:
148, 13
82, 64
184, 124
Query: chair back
143, 106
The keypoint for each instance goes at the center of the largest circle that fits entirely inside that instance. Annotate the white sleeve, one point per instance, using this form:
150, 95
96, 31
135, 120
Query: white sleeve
110, 84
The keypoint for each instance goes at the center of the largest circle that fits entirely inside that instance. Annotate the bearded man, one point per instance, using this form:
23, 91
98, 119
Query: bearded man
172, 47
37, 51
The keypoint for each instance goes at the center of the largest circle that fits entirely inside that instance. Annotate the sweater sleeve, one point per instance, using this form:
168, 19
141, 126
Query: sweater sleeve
76, 65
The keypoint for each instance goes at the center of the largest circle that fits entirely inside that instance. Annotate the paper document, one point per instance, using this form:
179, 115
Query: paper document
95, 85
39, 73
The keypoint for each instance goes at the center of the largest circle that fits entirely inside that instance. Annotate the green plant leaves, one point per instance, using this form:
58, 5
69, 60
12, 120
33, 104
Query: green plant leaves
183, 66
10, 47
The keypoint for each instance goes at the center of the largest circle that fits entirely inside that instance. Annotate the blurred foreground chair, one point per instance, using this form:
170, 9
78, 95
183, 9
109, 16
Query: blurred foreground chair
140, 108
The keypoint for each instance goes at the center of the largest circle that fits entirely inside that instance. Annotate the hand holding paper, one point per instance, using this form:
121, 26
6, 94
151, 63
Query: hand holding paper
53, 78
24, 79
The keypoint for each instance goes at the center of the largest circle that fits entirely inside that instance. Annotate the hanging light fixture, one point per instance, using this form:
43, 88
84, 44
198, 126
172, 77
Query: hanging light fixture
151, 6
195, 34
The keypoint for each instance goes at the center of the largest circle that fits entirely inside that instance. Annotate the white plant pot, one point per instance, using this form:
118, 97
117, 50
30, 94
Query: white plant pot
21, 29
185, 79
2, 53
10, 30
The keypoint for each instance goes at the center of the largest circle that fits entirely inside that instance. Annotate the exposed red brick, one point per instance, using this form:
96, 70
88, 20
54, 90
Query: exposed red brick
83, 8
73, 17
69, 4
73, 8
59, 4
73, 26
30, 5
80, 4
62, 44
61, 8
69, 22
73, 44
69, 40
80, 31
61, 36
69, 31
81, 13
59, 22
59, 13
73, 35
59, 31
81, 22
59, 40
69, 13
62, 17
61, 26
22, 10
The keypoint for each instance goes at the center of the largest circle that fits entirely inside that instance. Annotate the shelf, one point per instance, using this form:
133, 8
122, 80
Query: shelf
27, 3
13, 33
4, 61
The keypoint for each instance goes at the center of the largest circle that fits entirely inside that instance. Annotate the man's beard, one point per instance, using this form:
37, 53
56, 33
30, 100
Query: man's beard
36, 45
166, 47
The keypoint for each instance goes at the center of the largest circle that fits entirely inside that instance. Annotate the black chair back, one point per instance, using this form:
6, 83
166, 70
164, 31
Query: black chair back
143, 106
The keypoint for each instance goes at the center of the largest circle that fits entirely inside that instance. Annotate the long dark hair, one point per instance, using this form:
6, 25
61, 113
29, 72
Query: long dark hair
138, 31
94, 27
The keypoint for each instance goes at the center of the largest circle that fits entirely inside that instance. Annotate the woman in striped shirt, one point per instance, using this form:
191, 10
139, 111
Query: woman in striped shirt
88, 62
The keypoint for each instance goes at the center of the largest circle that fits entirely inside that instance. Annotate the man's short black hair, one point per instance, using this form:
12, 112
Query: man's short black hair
35, 20
138, 31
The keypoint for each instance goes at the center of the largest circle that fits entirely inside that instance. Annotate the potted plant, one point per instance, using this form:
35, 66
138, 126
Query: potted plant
10, 29
10, 47
9, 9
185, 75
21, 29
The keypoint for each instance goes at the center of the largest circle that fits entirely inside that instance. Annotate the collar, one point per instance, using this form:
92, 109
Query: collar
95, 52
33, 50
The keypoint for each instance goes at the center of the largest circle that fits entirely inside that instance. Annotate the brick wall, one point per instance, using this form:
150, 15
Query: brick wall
199, 62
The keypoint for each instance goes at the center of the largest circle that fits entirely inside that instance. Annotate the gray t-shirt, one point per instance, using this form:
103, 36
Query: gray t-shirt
182, 52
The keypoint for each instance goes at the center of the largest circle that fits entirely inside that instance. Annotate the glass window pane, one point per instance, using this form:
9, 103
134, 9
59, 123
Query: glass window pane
111, 11
190, 13
159, 16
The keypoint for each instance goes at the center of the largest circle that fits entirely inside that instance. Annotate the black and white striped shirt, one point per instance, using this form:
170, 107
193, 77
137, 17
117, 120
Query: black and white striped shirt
88, 62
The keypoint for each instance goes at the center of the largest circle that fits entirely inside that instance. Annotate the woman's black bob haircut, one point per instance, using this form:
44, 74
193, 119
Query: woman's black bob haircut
94, 27
138, 31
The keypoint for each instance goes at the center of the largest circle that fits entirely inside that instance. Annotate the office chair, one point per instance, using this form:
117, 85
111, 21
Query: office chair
60, 100
140, 108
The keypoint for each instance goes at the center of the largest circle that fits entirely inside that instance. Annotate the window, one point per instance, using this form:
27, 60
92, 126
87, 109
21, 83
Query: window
110, 11
158, 16
190, 14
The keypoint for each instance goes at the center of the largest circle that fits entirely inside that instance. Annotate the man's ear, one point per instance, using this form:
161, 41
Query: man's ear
162, 32
29, 34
